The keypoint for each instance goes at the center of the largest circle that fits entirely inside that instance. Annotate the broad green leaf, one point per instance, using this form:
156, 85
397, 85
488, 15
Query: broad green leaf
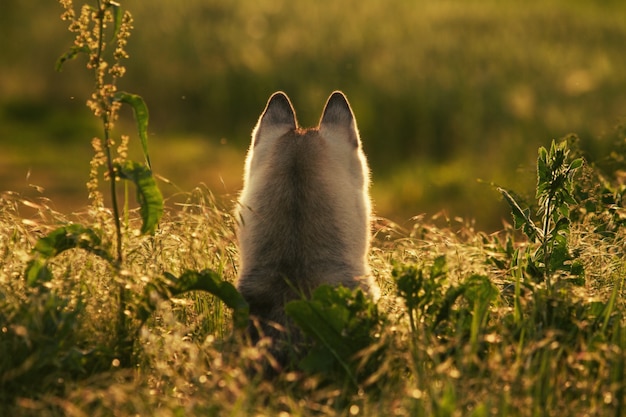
480, 289
59, 240
327, 319
558, 253
70, 237
479, 292
535, 268
317, 360
210, 281
577, 268
323, 323
148, 194
140, 109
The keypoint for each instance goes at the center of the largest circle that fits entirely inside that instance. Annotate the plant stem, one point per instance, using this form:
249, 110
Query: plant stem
122, 336
107, 130
116, 216
545, 242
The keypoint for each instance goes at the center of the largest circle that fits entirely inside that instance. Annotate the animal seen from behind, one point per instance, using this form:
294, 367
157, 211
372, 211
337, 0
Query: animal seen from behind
304, 211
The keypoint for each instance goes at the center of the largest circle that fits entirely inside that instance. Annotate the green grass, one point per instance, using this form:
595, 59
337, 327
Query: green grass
104, 313
480, 337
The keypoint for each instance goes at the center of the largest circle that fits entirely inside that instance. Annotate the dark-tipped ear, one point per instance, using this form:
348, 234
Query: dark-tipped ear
338, 117
278, 117
279, 111
337, 111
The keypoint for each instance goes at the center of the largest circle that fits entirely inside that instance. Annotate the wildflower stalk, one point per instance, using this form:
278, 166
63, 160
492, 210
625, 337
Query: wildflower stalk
106, 120
107, 116
90, 28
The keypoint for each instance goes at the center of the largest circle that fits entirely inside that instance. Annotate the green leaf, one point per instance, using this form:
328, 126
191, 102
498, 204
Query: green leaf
327, 318
37, 272
70, 237
210, 281
323, 322
140, 109
577, 268
559, 253
562, 225
575, 164
317, 360
148, 194
479, 289
59, 240
439, 267
521, 218
409, 282
118, 13
443, 310
71, 54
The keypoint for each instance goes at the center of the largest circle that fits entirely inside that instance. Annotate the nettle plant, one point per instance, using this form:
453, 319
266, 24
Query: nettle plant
550, 259
101, 33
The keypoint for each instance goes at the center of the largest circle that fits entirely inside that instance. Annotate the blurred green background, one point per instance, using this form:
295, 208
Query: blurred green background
449, 95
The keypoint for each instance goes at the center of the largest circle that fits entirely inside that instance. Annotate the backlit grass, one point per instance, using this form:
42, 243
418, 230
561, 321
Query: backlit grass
530, 352
108, 311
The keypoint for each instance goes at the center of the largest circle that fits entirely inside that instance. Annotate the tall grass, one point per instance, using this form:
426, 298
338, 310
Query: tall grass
460, 329
519, 322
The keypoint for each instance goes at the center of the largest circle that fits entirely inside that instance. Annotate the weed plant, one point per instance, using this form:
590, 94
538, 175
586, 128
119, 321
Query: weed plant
100, 313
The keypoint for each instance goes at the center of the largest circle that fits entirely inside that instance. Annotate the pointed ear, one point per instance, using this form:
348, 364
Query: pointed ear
338, 115
277, 119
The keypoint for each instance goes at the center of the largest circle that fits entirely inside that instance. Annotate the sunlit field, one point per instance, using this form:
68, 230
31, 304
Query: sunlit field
493, 134
449, 96
468, 323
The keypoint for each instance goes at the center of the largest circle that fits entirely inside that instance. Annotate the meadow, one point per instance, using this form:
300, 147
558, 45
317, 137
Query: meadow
450, 96
515, 323
125, 305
